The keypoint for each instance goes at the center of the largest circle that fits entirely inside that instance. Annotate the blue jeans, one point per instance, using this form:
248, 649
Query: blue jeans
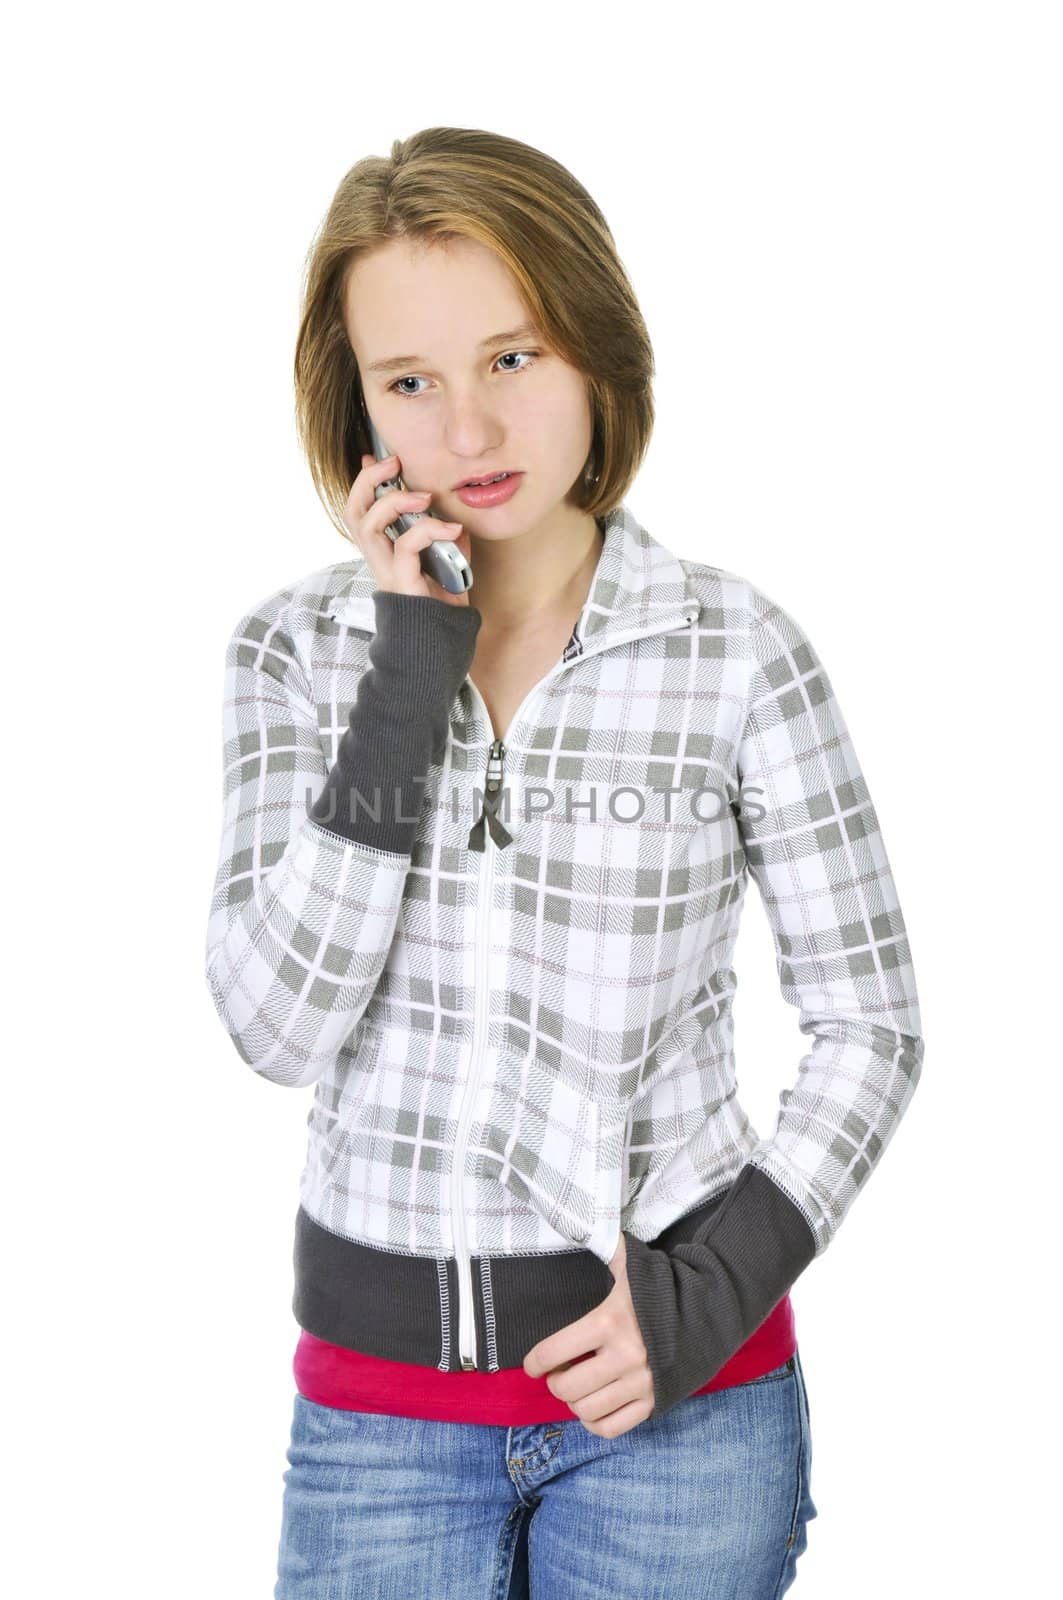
710, 1499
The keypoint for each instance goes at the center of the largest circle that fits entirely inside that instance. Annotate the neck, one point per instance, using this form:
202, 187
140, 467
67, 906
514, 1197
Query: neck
529, 581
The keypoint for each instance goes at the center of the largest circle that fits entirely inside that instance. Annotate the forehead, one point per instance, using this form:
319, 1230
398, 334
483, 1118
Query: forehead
407, 294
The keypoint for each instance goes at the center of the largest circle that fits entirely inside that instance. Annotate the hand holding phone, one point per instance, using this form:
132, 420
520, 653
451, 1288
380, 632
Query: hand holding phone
397, 561
444, 562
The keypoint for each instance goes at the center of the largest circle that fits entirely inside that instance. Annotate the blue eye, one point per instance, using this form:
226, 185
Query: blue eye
411, 394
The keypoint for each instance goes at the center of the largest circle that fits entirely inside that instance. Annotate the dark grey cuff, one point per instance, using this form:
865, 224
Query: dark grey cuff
698, 1302
397, 728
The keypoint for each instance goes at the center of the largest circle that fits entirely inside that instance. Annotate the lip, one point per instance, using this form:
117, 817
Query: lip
488, 474
491, 494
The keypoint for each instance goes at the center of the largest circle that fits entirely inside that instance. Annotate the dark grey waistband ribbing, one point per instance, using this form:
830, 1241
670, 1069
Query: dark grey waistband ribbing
405, 1308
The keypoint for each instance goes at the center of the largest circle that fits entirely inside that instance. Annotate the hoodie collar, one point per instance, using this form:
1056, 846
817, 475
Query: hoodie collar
638, 587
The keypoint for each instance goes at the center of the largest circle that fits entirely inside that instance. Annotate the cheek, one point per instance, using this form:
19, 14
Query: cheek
412, 425
555, 418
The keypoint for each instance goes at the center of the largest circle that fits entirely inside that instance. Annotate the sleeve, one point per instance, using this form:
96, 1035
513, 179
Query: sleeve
812, 843
312, 865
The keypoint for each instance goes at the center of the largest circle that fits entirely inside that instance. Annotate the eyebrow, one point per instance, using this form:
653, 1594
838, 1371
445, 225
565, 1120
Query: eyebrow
527, 330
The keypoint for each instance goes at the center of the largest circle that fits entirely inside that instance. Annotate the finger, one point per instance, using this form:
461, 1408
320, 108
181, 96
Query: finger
408, 546
375, 543
396, 564
390, 507
613, 1390
362, 494
619, 1421
570, 1344
581, 1379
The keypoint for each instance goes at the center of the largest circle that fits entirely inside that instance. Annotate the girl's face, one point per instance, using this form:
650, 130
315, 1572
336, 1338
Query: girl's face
472, 388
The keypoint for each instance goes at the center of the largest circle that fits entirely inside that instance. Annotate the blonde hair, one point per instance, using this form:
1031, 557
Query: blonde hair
446, 183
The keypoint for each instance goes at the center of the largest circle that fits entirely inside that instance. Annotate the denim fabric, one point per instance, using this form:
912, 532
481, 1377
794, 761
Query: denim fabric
709, 1500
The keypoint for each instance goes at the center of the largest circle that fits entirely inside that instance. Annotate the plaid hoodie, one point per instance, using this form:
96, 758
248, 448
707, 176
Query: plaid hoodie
515, 1007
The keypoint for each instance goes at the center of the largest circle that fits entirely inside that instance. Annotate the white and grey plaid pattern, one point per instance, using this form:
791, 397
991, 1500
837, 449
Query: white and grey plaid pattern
607, 1072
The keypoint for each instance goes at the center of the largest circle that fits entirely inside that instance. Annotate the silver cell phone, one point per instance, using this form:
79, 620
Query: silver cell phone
441, 560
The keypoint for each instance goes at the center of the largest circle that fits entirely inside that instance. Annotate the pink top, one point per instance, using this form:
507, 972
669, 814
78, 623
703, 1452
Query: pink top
332, 1375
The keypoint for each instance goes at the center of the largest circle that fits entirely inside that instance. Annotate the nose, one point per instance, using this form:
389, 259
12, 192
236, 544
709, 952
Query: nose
471, 430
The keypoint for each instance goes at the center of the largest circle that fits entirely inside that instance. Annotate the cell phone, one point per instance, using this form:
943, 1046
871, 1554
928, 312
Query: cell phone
441, 560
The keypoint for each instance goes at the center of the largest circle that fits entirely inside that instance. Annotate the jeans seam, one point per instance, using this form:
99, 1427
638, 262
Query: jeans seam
798, 1492
508, 1550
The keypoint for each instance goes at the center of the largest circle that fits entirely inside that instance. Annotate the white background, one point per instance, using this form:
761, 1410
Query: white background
843, 226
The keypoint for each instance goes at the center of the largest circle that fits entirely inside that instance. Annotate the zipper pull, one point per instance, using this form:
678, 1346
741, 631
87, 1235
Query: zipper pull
492, 799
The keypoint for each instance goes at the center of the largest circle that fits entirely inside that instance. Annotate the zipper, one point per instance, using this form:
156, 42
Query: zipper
482, 997
488, 821
488, 827
482, 993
